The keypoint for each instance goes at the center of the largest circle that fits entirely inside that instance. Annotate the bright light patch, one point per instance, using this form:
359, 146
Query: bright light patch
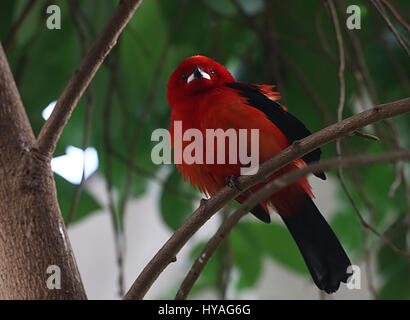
46, 113
70, 166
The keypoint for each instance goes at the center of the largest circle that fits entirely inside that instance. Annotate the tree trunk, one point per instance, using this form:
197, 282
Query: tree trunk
32, 232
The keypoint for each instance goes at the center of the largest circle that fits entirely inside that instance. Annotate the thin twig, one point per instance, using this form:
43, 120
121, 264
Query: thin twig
317, 101
208, 208
360, 70
366, 79
116, 222
401, 71
333, 15
52, 129
14, 30
397, 15
305, 44
267, 40
399, 170
366, 135
400, 40
368, 264
226, 261
265, 193
341, 55
153, 177
345, 162
138, 38
146, 109
218, 14
88, 23
280, 36
249, 19
359, 56
322, 36
366, 241
25, 56
396, 183
207, 252
89, 110
273, 49
122, 103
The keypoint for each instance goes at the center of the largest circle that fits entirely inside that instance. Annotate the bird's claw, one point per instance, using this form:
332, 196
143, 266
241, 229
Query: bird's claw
233, 182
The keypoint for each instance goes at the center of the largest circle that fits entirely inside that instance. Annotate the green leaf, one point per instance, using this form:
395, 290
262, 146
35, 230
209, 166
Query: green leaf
275, 241
210, 274
65, 193
247, 258
348, 229
394, 268
175, 209
6, 18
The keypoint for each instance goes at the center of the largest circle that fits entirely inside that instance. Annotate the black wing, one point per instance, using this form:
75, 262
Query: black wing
292, 127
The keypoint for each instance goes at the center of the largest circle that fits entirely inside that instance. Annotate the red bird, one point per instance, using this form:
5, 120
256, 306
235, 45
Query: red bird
204, 95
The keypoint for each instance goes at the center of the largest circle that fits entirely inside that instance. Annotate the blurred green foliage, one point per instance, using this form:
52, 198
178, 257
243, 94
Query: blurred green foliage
162, 34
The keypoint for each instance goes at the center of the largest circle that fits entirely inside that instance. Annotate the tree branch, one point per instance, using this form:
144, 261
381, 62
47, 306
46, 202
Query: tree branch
33, 235
52, 129
400, 40
13, 117
362, 76
149, 175
119, 243
401, 71
398, 17
311, 91
342, 94
341, 70
88, 112
14, 30
322, 36
148, 106
208, 208
265, 193
226, 261
366, 135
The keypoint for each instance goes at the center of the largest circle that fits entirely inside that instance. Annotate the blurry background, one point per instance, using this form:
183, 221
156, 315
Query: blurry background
120, 208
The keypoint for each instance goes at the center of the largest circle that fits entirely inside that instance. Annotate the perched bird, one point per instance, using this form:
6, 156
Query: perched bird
204, 95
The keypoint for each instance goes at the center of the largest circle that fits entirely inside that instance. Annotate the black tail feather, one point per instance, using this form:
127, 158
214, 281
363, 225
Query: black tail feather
261, 214
324, 255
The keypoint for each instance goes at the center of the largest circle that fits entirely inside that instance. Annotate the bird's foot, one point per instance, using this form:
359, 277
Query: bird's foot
203, 202
233, 182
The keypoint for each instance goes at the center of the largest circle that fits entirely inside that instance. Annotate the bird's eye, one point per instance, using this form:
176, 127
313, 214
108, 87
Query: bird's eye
183, 76
211, 71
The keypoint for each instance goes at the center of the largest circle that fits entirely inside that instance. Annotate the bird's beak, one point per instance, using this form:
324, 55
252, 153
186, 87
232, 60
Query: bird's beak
198, 73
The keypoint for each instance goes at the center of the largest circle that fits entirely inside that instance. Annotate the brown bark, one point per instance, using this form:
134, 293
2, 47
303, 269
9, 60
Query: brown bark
32, 232
52, 129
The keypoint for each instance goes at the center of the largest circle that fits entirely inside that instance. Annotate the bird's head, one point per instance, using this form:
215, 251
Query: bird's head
195, 75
